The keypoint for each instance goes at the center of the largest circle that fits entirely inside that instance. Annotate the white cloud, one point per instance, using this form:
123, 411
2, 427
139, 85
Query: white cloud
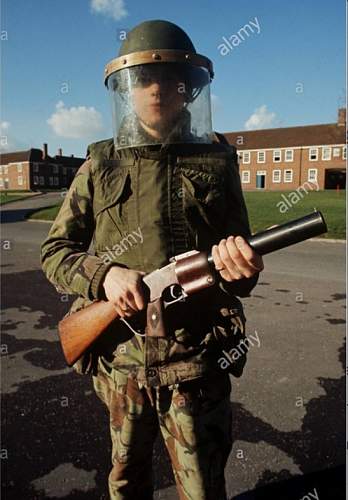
5, 141
113, 8
8, 143
261, 118
76, 122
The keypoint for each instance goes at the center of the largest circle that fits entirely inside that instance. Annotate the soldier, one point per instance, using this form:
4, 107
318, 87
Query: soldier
167, 177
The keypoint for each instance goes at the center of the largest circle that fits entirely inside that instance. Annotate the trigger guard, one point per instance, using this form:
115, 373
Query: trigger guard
176, 298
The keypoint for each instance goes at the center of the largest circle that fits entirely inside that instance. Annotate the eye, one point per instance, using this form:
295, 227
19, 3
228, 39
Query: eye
144, 81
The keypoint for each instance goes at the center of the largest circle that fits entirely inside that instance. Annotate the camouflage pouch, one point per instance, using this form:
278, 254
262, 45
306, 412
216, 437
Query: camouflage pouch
229, 334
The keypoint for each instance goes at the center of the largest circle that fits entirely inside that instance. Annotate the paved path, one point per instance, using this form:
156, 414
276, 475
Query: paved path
288, 421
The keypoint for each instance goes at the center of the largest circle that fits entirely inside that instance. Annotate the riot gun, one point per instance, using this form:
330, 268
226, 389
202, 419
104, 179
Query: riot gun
185, 275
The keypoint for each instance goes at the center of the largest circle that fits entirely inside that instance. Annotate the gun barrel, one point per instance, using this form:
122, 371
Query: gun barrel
287, 234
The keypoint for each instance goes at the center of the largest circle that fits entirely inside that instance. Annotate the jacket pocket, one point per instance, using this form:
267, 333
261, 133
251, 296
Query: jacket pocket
111, 190
204, 200
110, 204
204, 187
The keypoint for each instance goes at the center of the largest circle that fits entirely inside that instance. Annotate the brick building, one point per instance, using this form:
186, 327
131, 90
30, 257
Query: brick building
271, 159
35, 170
286, 158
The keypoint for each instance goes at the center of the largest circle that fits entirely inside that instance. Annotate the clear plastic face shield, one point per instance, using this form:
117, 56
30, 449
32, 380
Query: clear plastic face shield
160, 103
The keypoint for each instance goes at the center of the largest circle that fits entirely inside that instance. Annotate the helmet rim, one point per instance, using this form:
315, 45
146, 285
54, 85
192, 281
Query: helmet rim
160, 56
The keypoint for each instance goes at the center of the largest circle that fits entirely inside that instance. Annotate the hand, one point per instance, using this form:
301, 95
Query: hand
124, 288
235, 259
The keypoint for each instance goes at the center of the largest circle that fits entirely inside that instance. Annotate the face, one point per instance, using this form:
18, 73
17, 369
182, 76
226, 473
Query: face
158, 103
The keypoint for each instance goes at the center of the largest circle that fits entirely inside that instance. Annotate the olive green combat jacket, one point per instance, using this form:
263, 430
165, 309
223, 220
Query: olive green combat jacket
139, 207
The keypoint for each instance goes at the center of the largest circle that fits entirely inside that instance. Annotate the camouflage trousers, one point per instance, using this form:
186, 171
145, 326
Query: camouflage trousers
195, 422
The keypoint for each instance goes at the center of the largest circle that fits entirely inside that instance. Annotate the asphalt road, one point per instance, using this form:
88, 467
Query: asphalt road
288, 407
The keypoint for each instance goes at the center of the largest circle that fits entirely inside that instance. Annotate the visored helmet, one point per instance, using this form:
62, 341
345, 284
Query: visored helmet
160, 88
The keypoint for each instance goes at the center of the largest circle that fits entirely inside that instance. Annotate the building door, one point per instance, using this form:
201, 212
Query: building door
261, 179
334, 179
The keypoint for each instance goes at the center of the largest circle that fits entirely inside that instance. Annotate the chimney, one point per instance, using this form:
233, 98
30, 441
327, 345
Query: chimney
60, 152
341, 121
44, 151
71, 156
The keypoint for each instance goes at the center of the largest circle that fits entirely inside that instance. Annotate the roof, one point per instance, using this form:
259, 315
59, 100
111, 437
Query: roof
67, 160
31, 154
308, 135
34, 154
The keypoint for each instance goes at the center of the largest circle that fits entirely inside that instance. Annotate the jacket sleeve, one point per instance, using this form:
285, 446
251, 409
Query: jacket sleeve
64, 253
237, 224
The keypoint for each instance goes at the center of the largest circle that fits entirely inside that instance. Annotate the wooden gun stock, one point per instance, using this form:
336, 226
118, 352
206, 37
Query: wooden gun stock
78, 331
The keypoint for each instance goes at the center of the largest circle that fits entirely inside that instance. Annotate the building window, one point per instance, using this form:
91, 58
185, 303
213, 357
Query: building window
36, 167
276, 176
287, 175
36, 180
42, 180
289, 155
64, 170
246, 176
344, 152
246, 156
19, 168
261, 157
326, 154
312, 175
336, 152
277, 155
50, 181
261, 179
20, 180
55, 169
5, 169
1, 183
313, 154
56, 181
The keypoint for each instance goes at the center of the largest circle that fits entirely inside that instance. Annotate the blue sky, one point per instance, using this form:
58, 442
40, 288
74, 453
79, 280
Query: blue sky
289, 71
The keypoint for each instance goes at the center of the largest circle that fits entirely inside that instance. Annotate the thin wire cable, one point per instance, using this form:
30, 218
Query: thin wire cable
132, 329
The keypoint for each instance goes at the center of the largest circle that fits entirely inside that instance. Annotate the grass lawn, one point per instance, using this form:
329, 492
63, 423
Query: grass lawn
264, 209
48, 213
13, 196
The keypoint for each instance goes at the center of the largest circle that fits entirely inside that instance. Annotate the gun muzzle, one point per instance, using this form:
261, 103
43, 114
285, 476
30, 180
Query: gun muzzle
287, 234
